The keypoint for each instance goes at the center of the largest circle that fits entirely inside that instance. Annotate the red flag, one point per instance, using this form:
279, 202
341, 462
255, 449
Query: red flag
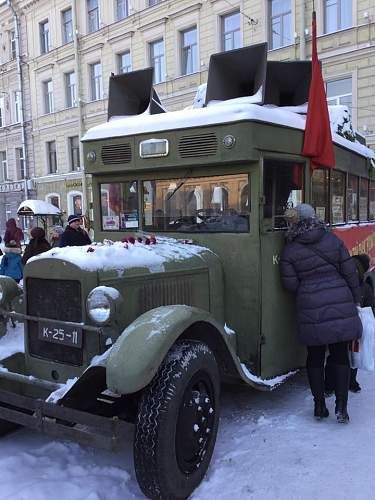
318, 139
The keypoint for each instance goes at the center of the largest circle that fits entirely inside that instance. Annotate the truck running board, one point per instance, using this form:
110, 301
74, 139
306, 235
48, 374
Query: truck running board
63, 423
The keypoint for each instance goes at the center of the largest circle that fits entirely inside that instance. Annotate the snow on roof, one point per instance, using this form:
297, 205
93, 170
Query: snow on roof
38, 207
120, 256
233, 110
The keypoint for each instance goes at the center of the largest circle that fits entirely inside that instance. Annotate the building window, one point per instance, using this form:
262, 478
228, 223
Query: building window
337, 15
280, 22
51, 157
70, 89
124, 62
75, 203
93, 15
96, 81
17, 106
74, 153
20, 160
44, 37
48, 96
12, 44
153, 2
157, 60
3, 166
2, 111
230, 31
67, 26
340, 92
189, 51
122, 9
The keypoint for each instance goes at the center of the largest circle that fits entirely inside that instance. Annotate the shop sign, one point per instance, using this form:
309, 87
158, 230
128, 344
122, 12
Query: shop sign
73, 185
11, 187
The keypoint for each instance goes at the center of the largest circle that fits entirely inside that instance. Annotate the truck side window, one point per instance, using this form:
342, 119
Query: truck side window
205, 204
320, 193
282, 187
119, 206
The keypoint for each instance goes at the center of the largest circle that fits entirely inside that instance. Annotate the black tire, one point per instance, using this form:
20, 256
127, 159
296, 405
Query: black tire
177, 421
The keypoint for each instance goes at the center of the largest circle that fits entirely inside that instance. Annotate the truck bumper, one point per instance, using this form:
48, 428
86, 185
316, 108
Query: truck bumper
61, 422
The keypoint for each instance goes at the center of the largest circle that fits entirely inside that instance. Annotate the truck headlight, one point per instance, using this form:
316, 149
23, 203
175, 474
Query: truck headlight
101, 304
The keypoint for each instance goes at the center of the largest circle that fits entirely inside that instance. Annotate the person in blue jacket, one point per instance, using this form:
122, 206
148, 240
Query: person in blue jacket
11, 263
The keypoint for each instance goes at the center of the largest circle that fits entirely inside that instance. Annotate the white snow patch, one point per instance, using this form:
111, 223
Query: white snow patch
61, 391
12, 341
272, 382
229, 330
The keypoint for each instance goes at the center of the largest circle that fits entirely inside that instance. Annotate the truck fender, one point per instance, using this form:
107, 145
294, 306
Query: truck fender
138, 352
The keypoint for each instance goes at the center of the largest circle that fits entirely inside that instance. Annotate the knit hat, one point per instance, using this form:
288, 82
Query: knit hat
74, 218
38, 233
305, 211
11, 244
58, 229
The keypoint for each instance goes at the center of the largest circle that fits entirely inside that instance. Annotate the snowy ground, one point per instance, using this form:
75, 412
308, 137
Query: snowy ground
268, 448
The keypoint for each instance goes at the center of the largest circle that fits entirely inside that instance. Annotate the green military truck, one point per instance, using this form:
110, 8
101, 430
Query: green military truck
183, 293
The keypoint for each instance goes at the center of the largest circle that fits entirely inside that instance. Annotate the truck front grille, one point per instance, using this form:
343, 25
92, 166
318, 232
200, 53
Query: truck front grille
53, 299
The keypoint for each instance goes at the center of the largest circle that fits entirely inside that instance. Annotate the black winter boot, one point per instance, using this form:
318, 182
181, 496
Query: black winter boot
316, 381
329, 378
354, 385
341, 391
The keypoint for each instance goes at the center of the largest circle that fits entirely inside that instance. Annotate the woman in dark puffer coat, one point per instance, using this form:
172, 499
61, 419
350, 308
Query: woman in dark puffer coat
38, 244
316, 266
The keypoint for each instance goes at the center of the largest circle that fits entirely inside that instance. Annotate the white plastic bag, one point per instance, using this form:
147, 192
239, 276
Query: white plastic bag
362, 350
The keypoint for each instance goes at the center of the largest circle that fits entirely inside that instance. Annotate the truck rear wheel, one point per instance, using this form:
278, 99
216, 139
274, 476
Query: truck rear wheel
177, 423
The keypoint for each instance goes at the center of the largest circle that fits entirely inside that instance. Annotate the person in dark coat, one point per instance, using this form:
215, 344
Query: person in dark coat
362, 262
56, 235
316, 266
74, 235
11, 262
13, 233
37, 245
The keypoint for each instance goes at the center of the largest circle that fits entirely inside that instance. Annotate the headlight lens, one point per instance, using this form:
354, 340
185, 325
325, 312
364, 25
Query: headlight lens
99, 306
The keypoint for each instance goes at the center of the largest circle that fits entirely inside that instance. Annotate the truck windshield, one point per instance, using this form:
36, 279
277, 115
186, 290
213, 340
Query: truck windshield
119, 206
201, 204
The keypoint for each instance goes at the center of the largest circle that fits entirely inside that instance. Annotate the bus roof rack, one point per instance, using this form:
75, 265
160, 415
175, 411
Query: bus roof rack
133, 94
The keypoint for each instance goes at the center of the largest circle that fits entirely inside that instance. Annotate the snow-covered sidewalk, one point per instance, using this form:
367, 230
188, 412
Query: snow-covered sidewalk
268, 448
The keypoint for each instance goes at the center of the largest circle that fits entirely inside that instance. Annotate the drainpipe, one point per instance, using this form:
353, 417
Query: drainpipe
21, 90
80, 103
302, 38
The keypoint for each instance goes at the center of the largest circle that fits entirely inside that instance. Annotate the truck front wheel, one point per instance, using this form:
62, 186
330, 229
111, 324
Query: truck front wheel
177, 423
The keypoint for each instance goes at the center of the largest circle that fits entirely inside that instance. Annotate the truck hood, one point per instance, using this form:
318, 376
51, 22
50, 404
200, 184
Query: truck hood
119, 257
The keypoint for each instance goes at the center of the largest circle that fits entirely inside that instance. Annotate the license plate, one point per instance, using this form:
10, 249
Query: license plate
64, 335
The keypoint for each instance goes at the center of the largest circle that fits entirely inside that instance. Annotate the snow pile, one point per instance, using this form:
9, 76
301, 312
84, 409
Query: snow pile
120, 256
341, 123
200, 96
12, 341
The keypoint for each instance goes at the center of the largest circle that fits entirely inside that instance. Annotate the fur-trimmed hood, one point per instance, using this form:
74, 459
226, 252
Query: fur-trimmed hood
15, 250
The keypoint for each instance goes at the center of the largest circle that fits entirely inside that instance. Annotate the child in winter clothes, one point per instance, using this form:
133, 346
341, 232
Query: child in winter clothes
362, 262
11, 263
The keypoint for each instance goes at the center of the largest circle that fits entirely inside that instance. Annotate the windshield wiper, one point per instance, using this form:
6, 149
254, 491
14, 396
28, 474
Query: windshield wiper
183, 180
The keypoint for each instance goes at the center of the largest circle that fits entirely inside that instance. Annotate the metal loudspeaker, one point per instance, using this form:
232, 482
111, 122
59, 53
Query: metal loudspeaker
287, 83
132, 94
237, 73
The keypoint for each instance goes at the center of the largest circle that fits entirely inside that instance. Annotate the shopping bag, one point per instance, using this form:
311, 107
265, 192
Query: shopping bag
362, 350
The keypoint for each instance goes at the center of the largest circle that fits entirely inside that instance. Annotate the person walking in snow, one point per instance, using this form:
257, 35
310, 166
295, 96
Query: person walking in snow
13, 232
37, 245
74, 235
316, 266
11, 263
